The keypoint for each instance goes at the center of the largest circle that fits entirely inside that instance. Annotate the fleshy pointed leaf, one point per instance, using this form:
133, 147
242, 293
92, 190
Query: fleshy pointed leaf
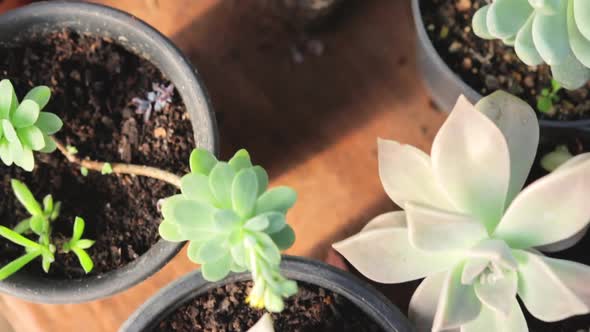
395, 219
50, 145
170, 232
278, 199
437, 230
193, 251
217, 270
284, 238
257, 224
581, 13
195, 186
549, 210
406, 174
26, 114
79, 226
40, 95
551, 36
9, 131
471, 161
495, 293
6, 96
458, 303
489, 320
26, 160
220, 183
425, 300
202, 161
524, 45
5, 153
240, 160
265, 324
543, 278
16, 238
495, 251
506, 17
479, 23
262, 177
386, 256
571, 73
518, 123
276, 222
579, 44
49, 123
245, 192
31, 137
226, 220
212, 251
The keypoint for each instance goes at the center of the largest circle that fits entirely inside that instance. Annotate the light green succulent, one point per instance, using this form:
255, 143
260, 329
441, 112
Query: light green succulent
469, 230
23, 127
233, 223
556, 32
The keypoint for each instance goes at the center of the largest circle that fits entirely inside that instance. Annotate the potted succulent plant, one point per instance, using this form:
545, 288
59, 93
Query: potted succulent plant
126, 110
236, 229
472, 234
536, 50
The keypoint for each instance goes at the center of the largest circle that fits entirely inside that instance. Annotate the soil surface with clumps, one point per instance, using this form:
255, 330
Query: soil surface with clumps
489, 65
93, 82
224, 309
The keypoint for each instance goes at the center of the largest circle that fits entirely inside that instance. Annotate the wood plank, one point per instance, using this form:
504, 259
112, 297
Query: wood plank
314, 125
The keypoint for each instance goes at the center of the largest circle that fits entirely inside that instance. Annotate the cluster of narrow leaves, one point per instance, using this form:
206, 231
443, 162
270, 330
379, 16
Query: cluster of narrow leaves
39, 224
556, 32
548, 97
233, 223
23, 127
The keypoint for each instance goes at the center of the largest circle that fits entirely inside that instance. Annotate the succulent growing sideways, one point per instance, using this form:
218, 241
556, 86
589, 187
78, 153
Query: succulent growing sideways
233, 223
469, 230
24, 128
556, 32
40, 225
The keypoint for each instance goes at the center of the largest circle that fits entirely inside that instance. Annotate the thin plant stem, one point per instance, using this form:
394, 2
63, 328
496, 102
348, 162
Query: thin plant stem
120, 168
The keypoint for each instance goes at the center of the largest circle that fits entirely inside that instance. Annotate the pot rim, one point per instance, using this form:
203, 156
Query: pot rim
146, 42
427, 43
373, 303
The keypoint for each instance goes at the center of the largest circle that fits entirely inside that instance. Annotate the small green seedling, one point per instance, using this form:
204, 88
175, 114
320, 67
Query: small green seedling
23, 127
40, 225
548, 97
106, 169
79, 245
556, 158
233, 223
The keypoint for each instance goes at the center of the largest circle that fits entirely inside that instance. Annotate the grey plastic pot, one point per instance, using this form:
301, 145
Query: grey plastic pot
41, 18
445, 86
367, 298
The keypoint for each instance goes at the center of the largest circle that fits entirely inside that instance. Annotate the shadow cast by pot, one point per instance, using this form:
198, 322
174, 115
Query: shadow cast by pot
284, 112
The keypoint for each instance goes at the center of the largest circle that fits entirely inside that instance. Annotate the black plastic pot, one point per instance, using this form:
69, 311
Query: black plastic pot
445, 85
42, 18
368, 299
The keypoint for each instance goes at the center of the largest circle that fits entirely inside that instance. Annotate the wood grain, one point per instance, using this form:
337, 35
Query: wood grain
314, 125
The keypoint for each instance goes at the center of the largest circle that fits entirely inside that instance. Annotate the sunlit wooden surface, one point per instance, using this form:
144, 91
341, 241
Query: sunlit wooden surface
314, 125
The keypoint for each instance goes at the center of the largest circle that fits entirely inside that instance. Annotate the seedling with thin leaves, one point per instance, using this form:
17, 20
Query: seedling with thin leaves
39, 224
548, 97
23, 127
78, 245
233, 223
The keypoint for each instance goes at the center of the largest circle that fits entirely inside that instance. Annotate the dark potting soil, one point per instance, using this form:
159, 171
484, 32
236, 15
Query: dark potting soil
312, 309
93, 82
489, 65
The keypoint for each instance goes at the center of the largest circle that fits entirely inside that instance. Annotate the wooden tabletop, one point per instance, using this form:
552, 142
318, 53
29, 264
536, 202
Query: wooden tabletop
313, 124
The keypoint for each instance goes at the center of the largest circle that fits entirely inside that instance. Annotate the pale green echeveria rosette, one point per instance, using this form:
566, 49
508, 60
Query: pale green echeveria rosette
468, 229
233, 224
556, 32
24, 128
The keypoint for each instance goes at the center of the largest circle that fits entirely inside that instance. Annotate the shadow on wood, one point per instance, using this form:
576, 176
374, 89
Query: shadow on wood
282, 111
